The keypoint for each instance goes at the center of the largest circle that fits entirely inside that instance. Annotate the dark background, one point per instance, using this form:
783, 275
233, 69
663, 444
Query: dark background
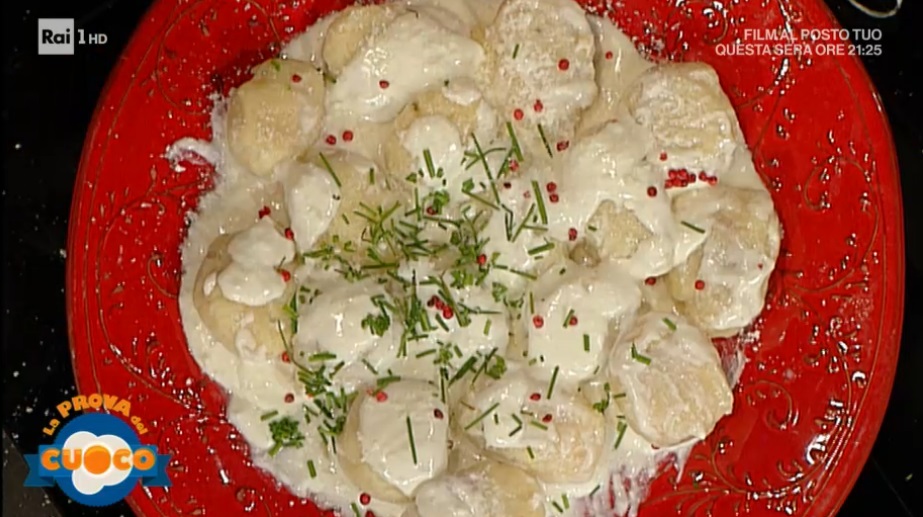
47, 105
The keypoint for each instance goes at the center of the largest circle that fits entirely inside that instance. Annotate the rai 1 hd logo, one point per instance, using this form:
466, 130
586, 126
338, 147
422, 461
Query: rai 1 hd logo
97, 458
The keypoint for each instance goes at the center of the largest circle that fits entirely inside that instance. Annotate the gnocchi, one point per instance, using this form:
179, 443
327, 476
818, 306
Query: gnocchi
466, 258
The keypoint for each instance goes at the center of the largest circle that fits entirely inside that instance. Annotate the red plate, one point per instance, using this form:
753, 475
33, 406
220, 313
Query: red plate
811, 398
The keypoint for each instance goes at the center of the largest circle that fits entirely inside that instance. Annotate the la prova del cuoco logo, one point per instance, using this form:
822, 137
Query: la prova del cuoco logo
97, 458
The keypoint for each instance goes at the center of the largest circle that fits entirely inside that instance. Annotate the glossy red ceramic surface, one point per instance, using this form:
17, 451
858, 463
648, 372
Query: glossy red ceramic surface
821, 358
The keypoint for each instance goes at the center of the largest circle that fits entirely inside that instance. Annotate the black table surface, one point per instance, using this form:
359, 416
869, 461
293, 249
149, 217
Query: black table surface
47, 104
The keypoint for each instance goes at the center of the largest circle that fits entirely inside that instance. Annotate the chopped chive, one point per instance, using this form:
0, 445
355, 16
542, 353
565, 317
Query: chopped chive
369, 366
487, 327
321, 356
557, 506
541, 132
523, 274
567, 318
586, 342
554, 378
517, 151
531, 454
426, 353
692, 227
463, 370
619, 395
442, 323
541, 249
566, 501
531, 303
643, 359
482, 416
355, 509
330, 170
669, 323
371, 175
428, 159
518, 425
595, 489
267, 416
385, 381
483, 159
536, 423
311, 470
442, 378
540, 201
591, 228
516, 51
522, 225
479, 199
621, 427
413, 444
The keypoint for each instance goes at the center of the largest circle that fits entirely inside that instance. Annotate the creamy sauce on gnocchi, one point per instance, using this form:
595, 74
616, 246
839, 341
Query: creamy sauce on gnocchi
466, 258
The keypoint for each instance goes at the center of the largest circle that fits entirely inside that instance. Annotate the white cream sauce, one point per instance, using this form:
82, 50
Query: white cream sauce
312, 199
251, 277
569, 327
379, 82
383, 432
608, 153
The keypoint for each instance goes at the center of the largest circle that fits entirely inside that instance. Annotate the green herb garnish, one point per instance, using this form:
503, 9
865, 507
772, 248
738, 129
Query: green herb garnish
321, 357
327, 166
692, 227
540, 201
413, 444
567, 318
541, 132
603, 404
643, 359
620, 427
285, 433
311, 469
482, 416
377, 324
515, 149
541, 249
669, 323
554, 378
